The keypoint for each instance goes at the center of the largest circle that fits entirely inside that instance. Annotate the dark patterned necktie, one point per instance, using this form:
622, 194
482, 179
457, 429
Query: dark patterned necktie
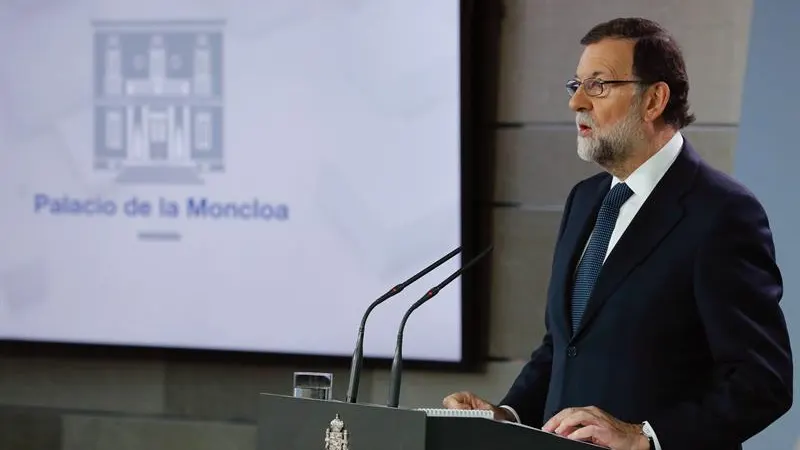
592, 261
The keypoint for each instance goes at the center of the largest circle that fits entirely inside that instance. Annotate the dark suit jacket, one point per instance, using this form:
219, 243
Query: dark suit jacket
683, 328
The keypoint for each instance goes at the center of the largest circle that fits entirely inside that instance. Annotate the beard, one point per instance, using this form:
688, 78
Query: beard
611, 147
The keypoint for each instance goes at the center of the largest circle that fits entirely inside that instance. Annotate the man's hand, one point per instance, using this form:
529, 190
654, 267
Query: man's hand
468, 400
594, 425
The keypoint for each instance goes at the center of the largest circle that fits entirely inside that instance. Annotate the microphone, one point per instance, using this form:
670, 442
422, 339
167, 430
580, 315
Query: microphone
358, 353
397, 363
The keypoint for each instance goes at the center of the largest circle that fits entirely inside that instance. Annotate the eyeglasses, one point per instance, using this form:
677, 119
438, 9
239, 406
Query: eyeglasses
592, 86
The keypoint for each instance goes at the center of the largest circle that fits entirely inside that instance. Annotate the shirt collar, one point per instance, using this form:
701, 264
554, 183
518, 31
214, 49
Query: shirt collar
645, 178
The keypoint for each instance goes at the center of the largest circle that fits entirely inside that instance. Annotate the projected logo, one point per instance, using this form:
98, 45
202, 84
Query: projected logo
158, 112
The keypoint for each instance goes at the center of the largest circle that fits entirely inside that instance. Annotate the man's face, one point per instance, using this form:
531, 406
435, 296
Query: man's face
608, 116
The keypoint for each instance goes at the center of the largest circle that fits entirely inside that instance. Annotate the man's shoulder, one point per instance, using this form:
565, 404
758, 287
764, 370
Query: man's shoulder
709, 187
713, 187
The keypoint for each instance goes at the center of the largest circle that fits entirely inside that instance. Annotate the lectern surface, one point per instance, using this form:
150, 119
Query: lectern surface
479, 433
289, 423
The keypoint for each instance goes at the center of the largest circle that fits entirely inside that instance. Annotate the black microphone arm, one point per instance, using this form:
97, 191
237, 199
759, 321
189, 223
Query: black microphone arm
358, 353
397, 363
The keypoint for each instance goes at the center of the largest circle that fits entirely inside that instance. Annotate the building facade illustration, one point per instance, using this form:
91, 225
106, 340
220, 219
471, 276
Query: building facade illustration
158, 100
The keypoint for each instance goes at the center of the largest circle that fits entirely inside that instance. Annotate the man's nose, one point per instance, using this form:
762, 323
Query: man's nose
580, 101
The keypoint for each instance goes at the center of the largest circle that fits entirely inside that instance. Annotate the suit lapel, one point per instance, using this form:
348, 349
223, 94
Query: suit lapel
659, 214
580, 223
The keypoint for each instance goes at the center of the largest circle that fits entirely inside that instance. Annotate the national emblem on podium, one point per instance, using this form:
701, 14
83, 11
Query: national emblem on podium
337, 436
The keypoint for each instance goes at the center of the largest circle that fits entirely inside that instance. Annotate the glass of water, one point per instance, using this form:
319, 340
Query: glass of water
315, 385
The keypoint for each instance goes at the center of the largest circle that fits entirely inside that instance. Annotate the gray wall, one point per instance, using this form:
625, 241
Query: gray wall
76, 404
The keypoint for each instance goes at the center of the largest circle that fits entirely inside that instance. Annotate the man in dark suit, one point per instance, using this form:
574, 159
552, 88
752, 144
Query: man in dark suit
663, 324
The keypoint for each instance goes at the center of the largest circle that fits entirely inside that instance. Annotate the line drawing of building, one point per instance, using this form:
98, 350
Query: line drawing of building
158, 106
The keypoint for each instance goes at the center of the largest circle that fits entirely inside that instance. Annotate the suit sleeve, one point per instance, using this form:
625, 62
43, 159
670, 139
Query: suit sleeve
528, 393
738, 288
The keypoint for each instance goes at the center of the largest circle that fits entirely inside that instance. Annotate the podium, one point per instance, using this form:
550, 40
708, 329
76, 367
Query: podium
289, 423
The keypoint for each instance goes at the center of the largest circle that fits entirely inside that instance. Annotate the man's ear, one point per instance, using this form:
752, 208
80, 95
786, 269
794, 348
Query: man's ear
655, 99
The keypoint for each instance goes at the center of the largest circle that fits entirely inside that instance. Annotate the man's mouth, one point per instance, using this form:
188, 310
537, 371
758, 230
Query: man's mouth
584, 130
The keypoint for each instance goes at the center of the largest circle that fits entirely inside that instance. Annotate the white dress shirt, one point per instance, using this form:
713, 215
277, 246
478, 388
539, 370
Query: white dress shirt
642, 182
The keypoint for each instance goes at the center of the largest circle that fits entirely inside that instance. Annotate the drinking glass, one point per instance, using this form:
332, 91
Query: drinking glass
315, 385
